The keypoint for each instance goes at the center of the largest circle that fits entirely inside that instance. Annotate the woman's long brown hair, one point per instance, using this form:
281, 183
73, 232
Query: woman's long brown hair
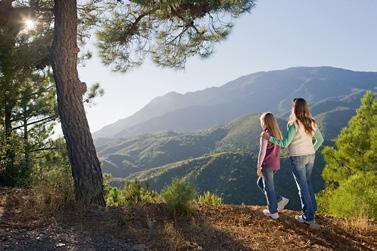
271, 124
301, 113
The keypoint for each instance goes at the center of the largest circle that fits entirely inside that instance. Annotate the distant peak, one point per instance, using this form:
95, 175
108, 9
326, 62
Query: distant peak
174, 94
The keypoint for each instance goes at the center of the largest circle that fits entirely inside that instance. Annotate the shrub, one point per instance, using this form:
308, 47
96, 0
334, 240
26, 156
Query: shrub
209, 198
113, 196
132, 193
356, 197
179, 197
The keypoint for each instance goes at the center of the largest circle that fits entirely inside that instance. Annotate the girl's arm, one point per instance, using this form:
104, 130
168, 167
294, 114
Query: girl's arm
318, 139
262, 151
288, 137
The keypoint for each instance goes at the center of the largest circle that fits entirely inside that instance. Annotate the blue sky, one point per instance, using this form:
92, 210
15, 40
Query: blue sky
275, 35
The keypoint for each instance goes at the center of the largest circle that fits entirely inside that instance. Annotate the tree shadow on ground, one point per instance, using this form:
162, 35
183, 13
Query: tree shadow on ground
151, 226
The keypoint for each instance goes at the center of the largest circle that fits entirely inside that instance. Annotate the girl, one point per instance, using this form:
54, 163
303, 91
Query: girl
299, 140
268, 164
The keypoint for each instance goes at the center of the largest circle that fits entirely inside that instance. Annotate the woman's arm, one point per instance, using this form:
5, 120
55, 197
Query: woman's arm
262, 151
318, 139
288, 137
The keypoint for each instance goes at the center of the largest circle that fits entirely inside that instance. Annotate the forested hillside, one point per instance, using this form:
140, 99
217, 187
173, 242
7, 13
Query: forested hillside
229, 175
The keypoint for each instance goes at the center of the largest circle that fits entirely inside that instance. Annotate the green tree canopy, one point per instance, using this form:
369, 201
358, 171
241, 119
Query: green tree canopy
351, 166
169, 31
356, 147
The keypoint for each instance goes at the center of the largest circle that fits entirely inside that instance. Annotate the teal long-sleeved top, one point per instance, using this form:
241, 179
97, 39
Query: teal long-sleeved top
291, 133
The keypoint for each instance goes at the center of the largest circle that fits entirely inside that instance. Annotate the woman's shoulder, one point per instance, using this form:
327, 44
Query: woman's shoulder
293, 123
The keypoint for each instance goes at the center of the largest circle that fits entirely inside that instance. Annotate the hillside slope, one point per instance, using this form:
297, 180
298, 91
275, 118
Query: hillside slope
123, 157
149, 227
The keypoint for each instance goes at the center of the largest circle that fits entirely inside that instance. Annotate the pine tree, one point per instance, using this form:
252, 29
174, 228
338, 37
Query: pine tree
351, 167
25, 102
168, 30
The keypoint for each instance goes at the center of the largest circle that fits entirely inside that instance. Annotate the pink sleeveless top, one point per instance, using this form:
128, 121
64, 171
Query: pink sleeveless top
272, 158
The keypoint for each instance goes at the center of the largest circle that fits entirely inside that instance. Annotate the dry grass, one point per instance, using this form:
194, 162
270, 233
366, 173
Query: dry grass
360, 225
225, 227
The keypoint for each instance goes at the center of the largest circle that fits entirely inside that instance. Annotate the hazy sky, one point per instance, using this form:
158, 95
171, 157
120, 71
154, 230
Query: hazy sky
275, 35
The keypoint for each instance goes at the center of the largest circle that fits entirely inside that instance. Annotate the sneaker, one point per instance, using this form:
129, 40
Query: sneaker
301, 219
312, 224
274, 216
282, 204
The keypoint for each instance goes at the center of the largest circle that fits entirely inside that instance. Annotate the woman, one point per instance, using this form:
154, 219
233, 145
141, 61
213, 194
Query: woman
268, 165
299, 140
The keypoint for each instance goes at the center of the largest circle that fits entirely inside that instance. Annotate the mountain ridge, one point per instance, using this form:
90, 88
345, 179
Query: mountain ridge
246, 94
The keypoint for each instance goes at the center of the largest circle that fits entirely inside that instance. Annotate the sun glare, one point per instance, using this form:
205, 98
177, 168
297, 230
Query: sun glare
29, 24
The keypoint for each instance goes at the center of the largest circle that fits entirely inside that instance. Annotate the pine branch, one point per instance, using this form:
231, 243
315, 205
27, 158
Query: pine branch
46, 120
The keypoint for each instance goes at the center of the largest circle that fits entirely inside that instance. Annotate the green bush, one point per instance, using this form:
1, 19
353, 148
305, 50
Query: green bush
113, 196
132, 193
209, 198
355, 198
179, 197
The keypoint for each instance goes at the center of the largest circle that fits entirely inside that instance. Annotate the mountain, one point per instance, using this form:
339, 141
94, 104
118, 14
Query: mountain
221, 160
254, 93
210, 139
125, 156
122, 157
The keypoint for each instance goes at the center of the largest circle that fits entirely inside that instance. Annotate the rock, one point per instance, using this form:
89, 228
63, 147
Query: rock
60, 244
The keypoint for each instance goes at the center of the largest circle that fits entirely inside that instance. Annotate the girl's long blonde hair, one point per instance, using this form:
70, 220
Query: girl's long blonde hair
271, 124
300, 113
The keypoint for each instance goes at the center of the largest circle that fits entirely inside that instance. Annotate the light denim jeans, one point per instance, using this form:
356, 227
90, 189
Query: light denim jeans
302, 167
266, 184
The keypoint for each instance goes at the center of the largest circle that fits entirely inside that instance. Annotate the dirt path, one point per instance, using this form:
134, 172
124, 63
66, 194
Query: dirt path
149, 227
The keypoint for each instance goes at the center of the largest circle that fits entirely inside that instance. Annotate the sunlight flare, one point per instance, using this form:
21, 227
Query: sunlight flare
29, 24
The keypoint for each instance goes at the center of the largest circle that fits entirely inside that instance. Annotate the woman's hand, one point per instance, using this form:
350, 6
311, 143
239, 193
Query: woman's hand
259, 171
265, 135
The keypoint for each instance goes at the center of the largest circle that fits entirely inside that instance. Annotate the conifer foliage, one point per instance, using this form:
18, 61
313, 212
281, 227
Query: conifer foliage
351, 169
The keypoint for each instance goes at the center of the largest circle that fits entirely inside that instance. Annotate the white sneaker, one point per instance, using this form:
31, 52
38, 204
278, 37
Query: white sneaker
274, 216
312, 224
282, 204
301, 219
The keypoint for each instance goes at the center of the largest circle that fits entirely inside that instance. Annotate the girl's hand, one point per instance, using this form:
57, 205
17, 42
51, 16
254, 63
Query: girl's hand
265, 135
259, 171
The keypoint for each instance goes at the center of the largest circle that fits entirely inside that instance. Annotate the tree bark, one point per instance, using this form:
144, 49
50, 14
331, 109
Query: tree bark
82, 154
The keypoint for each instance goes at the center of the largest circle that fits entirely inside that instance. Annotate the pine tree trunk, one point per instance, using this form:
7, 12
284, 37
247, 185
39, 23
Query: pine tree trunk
86, 169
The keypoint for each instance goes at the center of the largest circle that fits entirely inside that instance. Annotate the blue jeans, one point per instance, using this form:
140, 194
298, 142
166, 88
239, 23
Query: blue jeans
266, 184
302, 167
